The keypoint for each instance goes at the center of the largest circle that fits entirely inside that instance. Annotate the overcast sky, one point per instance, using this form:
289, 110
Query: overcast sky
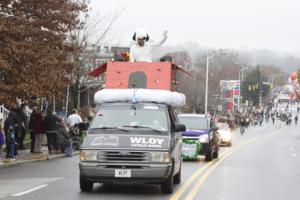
254, 24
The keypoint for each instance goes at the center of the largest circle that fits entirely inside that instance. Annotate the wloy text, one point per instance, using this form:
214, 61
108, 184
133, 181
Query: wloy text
146, 142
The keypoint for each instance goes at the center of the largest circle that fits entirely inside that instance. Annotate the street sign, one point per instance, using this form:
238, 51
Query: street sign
230, 91
219, 107
230, 83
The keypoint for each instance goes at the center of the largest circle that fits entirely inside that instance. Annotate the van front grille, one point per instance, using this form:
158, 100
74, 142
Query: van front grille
123, 156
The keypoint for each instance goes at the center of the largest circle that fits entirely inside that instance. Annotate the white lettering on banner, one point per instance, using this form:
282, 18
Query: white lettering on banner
145, 142
189, 149
105, 141
135, 140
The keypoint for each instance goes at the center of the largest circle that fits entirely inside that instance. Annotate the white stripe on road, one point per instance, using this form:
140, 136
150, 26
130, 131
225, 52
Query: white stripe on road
28, 191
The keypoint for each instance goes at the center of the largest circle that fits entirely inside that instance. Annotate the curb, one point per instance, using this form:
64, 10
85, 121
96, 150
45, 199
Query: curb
48, 157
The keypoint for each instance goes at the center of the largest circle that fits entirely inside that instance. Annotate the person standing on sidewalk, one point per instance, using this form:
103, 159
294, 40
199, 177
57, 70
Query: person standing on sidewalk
51, 129
64, 138
31, 129
74, 118
13, 120
2, 141
39, 130
10, 125
22, 128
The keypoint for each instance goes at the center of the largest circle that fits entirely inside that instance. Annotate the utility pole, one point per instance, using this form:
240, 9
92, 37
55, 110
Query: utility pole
67, 101
241, 78
260, 91
206, 79
54, 101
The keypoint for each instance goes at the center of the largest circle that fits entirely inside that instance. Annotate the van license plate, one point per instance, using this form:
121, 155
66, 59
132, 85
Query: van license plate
123, 173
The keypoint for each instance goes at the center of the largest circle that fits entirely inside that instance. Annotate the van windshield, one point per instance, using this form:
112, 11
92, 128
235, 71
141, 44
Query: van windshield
135, 116
197, 123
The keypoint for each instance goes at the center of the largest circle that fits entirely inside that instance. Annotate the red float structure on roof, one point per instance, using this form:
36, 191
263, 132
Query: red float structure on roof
150, 75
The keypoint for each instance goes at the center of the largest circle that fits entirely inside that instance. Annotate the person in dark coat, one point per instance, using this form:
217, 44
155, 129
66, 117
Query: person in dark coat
63, 138
39, 131
2, 140
10, 125
21, 126
51, 128
31, 129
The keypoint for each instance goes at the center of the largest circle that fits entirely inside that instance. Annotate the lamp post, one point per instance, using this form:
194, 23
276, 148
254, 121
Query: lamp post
69, 78
67, 101
241, 78
206, 79
54, 101
272, 81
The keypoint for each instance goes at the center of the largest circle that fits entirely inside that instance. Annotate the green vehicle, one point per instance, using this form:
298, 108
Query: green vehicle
200, 137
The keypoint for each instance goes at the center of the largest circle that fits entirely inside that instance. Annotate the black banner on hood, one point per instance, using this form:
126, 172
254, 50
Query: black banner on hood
103, 141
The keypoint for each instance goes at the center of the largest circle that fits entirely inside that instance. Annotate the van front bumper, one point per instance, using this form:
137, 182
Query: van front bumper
143, 173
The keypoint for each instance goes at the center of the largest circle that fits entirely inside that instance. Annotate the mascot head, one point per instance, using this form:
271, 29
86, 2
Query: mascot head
140, 37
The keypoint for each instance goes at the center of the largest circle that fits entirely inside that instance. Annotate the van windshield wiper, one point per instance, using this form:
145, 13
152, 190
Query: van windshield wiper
145, 127
110, 127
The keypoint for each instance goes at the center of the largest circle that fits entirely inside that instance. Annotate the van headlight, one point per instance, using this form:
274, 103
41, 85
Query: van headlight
203, 138
88, 155
160, 157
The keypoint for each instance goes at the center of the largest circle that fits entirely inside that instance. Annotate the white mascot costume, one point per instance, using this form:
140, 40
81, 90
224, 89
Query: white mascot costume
142, 47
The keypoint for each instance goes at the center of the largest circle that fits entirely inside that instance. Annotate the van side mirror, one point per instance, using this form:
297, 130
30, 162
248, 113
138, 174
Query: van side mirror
179, 128
83, 126
214, 128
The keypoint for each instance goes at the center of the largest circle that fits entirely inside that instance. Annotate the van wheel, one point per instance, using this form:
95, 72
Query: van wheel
167, 185
216, 154
209, 154
177, 177
86, 186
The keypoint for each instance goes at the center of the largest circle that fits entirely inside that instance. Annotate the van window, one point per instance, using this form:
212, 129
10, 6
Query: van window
151, 116
198, 123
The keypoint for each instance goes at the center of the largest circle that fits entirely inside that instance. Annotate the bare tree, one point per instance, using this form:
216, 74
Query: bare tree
95, 31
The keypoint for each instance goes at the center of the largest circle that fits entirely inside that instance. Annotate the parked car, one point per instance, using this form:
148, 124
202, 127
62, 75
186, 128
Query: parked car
225, 134
200, 138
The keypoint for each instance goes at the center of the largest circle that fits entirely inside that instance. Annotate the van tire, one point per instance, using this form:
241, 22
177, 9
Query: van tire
86, 186
216, 154
177, 177
209, 154
167, 185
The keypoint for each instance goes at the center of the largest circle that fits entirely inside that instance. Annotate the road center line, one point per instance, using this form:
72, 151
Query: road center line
200, 182
28, 191
183, 188
187, 183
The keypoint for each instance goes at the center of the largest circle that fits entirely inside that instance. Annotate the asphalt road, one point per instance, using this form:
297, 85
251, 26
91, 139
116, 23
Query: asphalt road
262, 164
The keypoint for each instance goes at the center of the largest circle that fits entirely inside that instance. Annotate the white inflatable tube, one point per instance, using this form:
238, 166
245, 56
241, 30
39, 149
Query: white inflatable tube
173, 99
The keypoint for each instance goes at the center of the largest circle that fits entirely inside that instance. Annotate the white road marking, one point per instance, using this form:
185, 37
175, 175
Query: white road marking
294, 155
28, 191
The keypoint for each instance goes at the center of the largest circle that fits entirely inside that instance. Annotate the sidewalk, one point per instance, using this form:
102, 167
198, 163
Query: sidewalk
25, 156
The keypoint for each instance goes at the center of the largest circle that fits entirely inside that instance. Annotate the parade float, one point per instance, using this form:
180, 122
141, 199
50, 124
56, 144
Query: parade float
293, 86
142, 82
135, 135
